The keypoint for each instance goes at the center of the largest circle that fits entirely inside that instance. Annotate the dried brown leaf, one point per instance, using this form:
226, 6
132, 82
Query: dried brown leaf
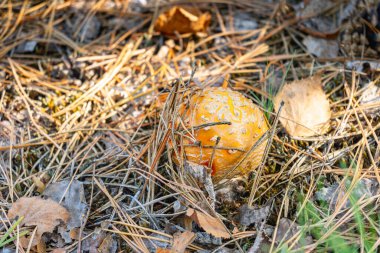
210, 224
44, 214
182, 20
181, 241
306, 109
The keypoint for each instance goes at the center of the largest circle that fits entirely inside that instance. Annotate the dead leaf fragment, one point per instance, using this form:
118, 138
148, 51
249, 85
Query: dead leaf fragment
210, 224
335, 195
364, 66
98, 242
244, 21
181, 241
182, 20
71, 195
231, 193
203, 178
306, 109
322, 24
288, 230
321, 47
44, 214
109, 245
207, 239
370, 100
253, 215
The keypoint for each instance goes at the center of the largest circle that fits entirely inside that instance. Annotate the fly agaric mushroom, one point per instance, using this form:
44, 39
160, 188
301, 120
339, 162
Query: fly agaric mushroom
222, 126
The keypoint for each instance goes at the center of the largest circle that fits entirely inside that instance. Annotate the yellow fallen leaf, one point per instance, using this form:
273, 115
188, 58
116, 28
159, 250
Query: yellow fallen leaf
210, 224
182, 20
306, 109
45, 214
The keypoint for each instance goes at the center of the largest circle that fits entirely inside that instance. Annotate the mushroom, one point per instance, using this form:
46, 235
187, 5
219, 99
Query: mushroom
221, 127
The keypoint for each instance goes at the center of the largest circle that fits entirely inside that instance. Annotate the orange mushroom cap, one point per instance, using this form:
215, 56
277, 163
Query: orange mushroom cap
247, 124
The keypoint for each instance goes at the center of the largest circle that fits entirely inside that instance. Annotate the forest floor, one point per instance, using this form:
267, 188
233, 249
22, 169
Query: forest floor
87, 93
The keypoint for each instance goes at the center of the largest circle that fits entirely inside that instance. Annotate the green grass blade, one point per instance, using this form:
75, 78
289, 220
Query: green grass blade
10, 230
2, 244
